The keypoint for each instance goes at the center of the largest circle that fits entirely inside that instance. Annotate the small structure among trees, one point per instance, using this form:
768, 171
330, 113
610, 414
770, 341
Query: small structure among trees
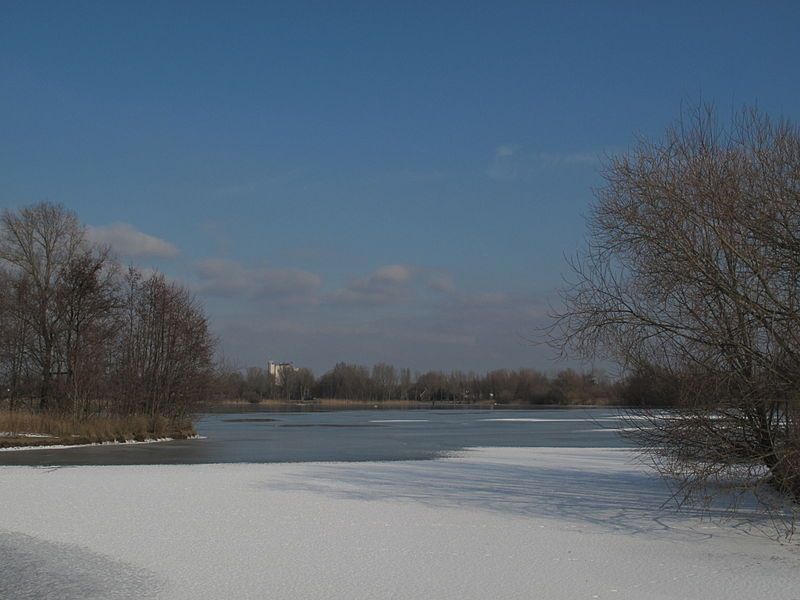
691, 282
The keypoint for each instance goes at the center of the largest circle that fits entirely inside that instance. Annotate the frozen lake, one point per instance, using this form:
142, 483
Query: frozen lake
364, 435
518, 505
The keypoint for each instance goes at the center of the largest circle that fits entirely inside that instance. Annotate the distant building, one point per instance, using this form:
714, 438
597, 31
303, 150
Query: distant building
279, 370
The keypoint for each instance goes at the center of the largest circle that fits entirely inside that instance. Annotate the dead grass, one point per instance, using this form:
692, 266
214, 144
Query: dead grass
21, 428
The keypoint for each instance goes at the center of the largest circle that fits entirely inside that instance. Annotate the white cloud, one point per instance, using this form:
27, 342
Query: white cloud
130, 242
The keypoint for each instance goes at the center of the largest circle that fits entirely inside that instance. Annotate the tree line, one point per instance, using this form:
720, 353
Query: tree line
81, 335
383, 382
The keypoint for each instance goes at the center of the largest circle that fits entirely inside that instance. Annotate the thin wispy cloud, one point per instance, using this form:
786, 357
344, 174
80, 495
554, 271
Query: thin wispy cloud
222, 277
242, 189
511, 162
393, 284
388, 284
504, 165
129, 242
440, 282
462, 329
229, 278
568, 158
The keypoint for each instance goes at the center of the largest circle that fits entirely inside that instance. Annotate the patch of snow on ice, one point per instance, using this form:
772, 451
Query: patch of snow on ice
534, 420
400, 421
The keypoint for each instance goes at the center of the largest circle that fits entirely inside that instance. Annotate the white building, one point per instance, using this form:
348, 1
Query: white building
278, 370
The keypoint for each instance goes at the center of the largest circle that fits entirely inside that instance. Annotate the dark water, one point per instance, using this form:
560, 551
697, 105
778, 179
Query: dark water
373, 435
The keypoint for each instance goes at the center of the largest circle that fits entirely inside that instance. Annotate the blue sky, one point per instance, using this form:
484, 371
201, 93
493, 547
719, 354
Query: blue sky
364, 182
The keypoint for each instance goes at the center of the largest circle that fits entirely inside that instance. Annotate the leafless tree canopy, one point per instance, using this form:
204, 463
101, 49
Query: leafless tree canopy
691, 275
77, 336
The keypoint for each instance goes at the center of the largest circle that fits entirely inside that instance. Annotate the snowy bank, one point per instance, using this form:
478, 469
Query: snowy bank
490, 523
109, 443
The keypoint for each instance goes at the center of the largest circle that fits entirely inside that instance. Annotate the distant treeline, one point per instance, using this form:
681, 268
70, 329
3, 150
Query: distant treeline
82, 336
383, 382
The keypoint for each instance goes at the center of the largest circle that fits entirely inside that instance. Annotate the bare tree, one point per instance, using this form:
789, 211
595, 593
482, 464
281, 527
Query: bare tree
37, 244
384, 380
89, 299
297, 384
692, 274
15, 338
77, 337
165, 349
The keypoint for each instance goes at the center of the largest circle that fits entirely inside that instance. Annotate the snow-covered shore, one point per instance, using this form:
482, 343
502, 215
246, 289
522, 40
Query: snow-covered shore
527, 523
68, 446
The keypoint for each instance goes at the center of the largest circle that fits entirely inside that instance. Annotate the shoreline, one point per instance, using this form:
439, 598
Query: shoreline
334, 404
106, 443
23, 430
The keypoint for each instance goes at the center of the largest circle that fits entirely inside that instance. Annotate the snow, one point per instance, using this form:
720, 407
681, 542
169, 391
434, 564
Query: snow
534, 420
614, 419
614, 429
400, 421
109, 443
67, 446
550, 523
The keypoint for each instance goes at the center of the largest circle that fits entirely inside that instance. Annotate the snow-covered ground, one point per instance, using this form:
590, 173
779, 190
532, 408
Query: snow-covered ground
489, 523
